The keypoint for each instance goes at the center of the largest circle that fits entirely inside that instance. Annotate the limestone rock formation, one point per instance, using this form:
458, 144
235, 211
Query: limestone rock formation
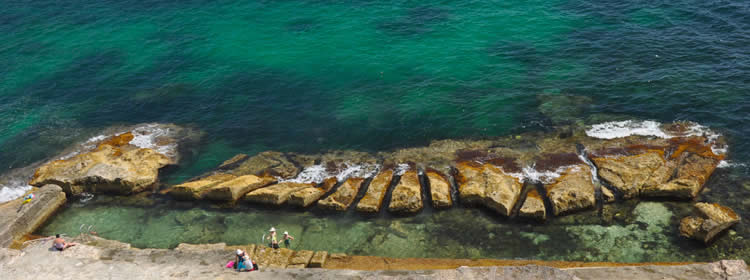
440, 189
305, 197
373, 199
488, 185
407, 194
275, 194
533, 207
194, 189
710, 220
572, 191
235, 188
344, 195
115, 166
18, 219
629, 173
300, 259
318, 259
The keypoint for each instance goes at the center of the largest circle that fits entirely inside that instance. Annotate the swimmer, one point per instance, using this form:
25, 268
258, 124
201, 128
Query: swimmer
287, 239
274, 242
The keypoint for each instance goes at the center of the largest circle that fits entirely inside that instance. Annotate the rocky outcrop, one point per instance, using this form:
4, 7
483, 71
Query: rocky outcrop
305, 197
440, 189
629, 174
195, 189
115, 166
574, 190
318, 259
710, 220
18, 218
275, 194
300, 259
488, 185
235, 188
533, 207
692, 172
407, 194
373, 199
344, 195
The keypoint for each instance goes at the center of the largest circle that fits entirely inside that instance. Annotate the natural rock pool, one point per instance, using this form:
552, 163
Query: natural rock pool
631, 231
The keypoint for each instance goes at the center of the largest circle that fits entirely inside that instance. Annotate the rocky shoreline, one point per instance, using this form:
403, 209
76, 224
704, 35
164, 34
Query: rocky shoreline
100, 258
534, 176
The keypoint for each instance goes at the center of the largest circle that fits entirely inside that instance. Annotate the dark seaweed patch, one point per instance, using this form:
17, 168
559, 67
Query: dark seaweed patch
550, 162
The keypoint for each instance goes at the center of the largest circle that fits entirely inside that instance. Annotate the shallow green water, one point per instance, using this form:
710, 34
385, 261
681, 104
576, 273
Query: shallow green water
630, 232
307, 76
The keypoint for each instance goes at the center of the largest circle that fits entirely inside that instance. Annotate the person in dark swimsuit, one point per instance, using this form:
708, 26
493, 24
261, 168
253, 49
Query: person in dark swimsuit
60, 243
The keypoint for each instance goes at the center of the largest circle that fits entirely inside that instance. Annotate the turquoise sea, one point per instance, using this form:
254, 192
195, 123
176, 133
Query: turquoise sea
309, 76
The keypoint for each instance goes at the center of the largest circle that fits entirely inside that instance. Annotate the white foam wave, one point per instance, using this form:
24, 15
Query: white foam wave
530, 174
358, 171
729, 164
8, 193
620, 129
318, 173
612, 130
144, 136
147, 136
401, 168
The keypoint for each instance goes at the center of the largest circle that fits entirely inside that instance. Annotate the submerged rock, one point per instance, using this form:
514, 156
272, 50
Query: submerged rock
574, 190
268, 163
710, 220
344, 195
407, 194
533, 207
440, 189
275, 194
373, 199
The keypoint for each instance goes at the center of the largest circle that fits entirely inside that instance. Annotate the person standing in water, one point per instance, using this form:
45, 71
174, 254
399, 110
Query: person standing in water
274, 242
287, 239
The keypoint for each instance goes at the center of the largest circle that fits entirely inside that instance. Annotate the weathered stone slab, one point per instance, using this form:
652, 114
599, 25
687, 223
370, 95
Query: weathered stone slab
488, 185
629, 173
373, 199
710, 220
318, 259
194, 189
440, 189
344, 195
572, 191
533, 207
305, 197
275, 194
18, 218
692, 171
234, 189
201, 247
471, 182
115, 166
272, 258
300, 259
502, 190
407, 194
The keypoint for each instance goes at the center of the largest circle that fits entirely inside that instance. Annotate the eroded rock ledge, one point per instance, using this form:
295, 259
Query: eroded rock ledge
99, 258
568, 170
